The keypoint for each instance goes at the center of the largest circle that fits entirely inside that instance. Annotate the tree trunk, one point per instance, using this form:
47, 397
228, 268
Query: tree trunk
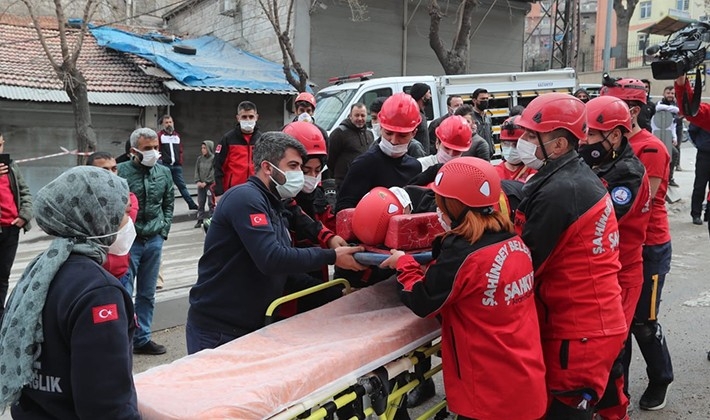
624, 12
75, 87
454, 60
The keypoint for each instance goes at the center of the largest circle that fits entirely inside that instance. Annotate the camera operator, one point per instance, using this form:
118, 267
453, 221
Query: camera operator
702, 117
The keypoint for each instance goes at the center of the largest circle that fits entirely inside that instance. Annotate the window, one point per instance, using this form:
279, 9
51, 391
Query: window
682, 4
645, 9
369, 97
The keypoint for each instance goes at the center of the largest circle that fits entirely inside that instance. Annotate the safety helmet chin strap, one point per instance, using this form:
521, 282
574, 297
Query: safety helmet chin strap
542, 146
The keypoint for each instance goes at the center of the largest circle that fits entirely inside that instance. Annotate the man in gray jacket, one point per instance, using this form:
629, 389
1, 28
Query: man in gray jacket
153, 186
204, 178
15, 214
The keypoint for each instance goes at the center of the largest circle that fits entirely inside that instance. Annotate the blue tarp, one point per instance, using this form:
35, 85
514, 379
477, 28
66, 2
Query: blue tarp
216, 64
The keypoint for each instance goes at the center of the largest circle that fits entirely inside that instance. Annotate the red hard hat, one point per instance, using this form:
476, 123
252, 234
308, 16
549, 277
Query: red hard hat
373, 213
309, 135
455, 133
605, 113
400, 113
510, 130
306, 97
627, 90
552, 111
472, 181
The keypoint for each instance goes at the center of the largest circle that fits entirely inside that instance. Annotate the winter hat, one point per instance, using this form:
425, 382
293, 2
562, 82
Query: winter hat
419, 90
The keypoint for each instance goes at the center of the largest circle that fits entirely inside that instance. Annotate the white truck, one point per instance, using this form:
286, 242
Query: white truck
506, 90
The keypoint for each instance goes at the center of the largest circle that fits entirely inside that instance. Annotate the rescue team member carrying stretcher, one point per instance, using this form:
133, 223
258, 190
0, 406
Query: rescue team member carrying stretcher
567, 220
249, 259
608, 152
481, 284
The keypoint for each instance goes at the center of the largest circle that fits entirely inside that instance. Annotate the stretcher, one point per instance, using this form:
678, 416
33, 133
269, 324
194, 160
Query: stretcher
309, 365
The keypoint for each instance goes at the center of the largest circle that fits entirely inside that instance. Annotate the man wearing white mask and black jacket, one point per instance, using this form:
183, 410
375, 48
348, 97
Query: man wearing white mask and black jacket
233, 155
388, 164
153, 186
249, 259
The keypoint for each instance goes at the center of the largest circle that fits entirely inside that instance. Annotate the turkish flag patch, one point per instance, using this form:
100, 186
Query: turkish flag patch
104, 313
218, 149
258, 219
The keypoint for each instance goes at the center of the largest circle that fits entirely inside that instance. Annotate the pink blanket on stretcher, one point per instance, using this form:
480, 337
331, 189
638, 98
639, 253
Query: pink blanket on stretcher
264, 373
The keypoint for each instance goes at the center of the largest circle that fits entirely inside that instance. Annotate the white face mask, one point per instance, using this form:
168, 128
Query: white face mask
376, 129
149, 158
442, 156
527, 150
510, 154
311, 182
391, 150
442, 222
292, 186
247, 126
124, 239
305, 117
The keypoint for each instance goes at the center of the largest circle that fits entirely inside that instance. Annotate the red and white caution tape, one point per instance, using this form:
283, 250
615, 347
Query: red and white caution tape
64, 152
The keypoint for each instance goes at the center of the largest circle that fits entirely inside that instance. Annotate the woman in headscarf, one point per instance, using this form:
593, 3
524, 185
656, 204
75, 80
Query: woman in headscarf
66, 337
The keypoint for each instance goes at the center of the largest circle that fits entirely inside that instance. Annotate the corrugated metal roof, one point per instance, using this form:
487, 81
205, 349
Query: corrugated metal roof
175, 85
97, 98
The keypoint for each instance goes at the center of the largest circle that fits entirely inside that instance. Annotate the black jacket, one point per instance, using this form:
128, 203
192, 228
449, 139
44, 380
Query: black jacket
86, 361
346, 143
700, 138
247, 258
422, 134
479, 148
375, 169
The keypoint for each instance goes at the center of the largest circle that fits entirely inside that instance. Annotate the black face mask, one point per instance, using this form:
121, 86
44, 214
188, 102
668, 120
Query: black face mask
483, 105
426, 101
594, 154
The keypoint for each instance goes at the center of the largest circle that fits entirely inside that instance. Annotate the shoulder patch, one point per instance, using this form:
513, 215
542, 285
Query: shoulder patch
218, 148
258, 219
649, 151
621, 195
104, 313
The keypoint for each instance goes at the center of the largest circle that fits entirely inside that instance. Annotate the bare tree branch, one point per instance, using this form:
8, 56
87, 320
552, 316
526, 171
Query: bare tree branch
288, 55
462, 40
88, 14
435, 41
40, 35
61, 24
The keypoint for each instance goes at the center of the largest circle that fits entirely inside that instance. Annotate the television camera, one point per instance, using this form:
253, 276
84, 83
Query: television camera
681, 53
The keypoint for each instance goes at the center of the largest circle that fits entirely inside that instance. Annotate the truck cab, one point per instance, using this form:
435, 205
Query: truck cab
506, 90
334, 102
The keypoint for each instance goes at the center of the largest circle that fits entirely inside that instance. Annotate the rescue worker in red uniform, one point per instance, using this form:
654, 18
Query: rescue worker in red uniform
512, 167
453, 138
656, 251
233, 155
566, 218
607, 151
481, 286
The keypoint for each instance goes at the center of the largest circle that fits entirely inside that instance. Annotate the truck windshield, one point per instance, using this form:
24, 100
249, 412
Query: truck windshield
330, 106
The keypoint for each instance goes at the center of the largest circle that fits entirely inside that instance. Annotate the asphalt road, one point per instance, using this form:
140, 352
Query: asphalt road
684, 314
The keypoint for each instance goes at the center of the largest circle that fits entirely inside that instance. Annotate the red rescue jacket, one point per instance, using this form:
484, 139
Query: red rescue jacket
567, 219
490, 337
233, 160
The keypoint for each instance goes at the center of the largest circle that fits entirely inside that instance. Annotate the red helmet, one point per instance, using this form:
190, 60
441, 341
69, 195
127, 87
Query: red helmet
455, 133
627, 90
552, 111
472, 181
605, 113
306, 97
400, 113
373, 213
309, 135
510, 130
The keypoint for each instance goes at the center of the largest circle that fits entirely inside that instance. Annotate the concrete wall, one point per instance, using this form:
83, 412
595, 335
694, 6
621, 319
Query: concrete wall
248, 29
340, 46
